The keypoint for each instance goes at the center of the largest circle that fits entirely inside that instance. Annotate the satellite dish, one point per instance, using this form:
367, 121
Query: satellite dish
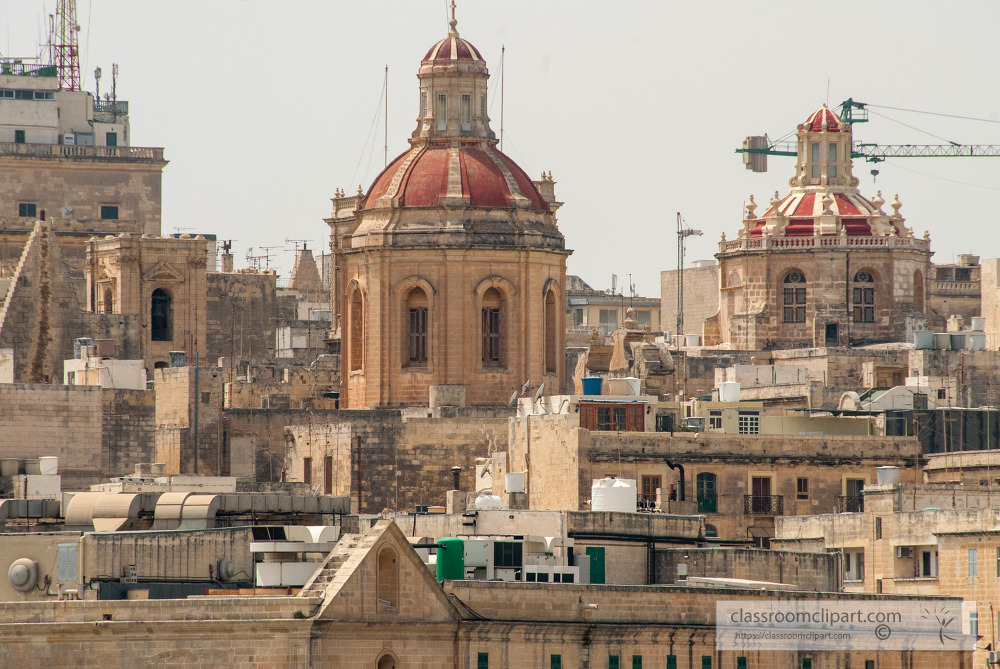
67, 212
526, 387
538, 393
513, 398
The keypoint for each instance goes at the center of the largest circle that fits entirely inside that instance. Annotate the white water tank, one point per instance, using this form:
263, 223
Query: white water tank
729, 391
48, 465
692, 340
514, 482
610, 494
628, 385
887, 475
485, 502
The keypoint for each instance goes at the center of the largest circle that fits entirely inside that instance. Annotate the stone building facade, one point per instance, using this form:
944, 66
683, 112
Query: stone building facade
162, 280
824, 265
450, 270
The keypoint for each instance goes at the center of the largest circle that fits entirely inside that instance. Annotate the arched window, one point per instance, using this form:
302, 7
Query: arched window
161, 316
551, 337
734, 278
416, 327
386, 661
794, 297
705, 490
109, 301
492, 328
863, 297
711, 531
356, 319
918, 290
387, 584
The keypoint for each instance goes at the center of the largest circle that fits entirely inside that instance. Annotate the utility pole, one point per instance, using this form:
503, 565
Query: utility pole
683, 232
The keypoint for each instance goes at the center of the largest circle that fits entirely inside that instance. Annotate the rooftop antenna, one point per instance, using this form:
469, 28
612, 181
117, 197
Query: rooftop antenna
67, 45
503, 50
114, 81
97, 80
683, 232
180, 230
304, 242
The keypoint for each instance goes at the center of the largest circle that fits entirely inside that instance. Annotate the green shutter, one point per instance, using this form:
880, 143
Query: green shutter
706, 662
555, 662
637, 662
483, 662
671, 662
807, 663
612, 662
596, 554
741, 663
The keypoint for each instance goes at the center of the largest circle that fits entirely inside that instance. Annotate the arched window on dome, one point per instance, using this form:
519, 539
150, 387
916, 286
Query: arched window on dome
794, 297
416, 327
492, 328
356, 318
551, 333
918, 290
863, 297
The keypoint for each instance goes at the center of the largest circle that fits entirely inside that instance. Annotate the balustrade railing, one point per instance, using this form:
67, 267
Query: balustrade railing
78, 151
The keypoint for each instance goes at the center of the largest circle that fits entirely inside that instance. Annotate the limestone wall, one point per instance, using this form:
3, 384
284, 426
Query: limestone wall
819, 572
990, 286
701, 298
241, 312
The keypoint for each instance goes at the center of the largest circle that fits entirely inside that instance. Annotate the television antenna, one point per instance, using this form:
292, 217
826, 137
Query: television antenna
683, 232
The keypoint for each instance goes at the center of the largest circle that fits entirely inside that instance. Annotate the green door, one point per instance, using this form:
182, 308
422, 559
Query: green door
596, 554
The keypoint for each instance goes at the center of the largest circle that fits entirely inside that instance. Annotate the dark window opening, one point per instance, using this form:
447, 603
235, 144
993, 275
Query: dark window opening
491, 329
111, 138
109, 212
27, 210
417, 335
160, 320
307, 471
19, 137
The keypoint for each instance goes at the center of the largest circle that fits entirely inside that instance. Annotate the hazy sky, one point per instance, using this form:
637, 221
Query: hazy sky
264, 108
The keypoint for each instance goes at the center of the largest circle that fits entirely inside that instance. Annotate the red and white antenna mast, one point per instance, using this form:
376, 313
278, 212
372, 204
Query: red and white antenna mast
67, 45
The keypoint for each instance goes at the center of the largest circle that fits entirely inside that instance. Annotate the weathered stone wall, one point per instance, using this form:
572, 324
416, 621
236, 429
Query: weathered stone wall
175, 412
990, 286
241, 315
387, 461
818, 572
128, 430
701, 298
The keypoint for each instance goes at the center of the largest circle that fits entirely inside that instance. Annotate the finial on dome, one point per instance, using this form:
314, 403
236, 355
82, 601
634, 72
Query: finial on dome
896, 204
453, 30
750, 208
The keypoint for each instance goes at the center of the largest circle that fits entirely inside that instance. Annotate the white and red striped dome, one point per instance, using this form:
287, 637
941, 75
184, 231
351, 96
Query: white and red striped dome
823, 119
802, 210
452, 48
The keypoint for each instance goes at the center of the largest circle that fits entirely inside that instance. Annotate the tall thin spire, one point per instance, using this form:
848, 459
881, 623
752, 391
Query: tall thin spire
453, 29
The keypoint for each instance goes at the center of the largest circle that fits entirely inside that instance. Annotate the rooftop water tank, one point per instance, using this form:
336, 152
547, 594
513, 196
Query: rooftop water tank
978, 323
923, 339
729, 391
887, 475
513, 481
48, 465
450, 559
592, 385
610, 494
485, 502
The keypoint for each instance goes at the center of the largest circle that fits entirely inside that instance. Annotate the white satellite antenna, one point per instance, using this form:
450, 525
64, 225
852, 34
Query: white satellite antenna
538, 393
513, 398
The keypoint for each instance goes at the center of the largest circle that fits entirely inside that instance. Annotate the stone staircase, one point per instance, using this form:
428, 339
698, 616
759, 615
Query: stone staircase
319, 583
39, 230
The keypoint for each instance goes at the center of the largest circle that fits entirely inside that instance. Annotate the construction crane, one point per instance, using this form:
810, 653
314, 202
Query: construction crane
756, 148
65, 44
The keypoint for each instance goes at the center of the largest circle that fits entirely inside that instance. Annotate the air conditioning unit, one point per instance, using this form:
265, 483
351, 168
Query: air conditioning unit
904, 551
994, 657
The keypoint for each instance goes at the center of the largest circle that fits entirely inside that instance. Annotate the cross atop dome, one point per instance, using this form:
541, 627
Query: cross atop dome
453, 24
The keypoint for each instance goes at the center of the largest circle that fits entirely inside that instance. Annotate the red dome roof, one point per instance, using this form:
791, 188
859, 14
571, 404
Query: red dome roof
823, 115
419, 177
453, 48
801, 210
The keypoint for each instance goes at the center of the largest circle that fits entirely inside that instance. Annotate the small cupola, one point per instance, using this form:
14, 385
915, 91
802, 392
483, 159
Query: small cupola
824, 151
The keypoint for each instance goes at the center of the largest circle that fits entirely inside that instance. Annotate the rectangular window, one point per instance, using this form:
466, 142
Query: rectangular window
7, 94
854, 565
741, 662
613, 662
671, 662
814, 155
706, 662
715, 419
417, 335
328, 474
643, 317
66, 555
483, 661
19, 137
974, 623
555, 662
109, 212
637, 662
44, 95
442, 111
795, 305
423, 105
749, 422
998, 562
802, 488
807, 663
482, 108
649, 487
609, 318
869, 664
864, 305
878, 528
27, 210
831, 168
111, 138
578, 317
508, 554
611, 419
973, 563
307, 471
466, 112
491, 336
928, 564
